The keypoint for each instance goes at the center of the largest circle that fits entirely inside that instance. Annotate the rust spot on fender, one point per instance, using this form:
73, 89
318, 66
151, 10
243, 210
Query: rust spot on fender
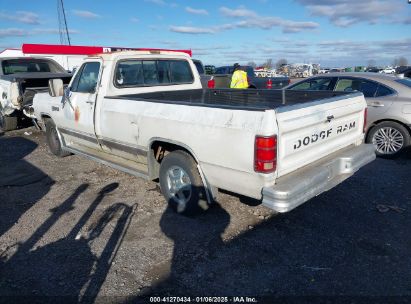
76, 114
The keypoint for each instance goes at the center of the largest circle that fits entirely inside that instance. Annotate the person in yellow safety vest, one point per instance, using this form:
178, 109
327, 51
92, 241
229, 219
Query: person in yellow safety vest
239, 78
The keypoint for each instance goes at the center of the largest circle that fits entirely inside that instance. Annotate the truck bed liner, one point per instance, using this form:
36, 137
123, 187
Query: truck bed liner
253, 100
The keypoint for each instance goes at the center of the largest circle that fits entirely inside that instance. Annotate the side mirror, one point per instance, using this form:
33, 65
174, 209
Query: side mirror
56, 87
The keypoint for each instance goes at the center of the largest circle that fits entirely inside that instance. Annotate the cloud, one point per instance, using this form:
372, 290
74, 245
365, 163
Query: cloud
16, 32
251, 19
377, 50
330, 53
238, 13
22, 17
248, 19
86, 14
13, 32
134, 19
158, 2
196, 11
191, 30
344, 13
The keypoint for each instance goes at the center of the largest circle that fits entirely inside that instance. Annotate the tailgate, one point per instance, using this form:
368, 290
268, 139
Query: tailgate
313, 130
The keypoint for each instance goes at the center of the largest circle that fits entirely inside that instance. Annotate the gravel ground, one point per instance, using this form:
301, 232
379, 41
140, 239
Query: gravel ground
72, 227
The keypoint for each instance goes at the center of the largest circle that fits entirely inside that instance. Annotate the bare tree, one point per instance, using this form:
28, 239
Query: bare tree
280, 63
268, 64
252, 63
395, 62
371, 63
402, 61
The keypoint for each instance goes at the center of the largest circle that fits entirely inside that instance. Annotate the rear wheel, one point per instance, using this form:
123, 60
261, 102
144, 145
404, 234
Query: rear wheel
8, 123
181, 184
53, 139
389, 138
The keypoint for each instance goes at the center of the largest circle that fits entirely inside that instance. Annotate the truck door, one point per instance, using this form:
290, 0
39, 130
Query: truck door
77, 127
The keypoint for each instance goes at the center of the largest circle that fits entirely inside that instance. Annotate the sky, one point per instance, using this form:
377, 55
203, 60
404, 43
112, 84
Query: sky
334, 33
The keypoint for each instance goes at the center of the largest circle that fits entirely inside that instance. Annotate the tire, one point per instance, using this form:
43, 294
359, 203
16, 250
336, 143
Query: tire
8, 123
53, 140
389, 138
181, 184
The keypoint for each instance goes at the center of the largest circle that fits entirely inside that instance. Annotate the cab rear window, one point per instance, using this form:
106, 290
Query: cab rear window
132, 73
15, 66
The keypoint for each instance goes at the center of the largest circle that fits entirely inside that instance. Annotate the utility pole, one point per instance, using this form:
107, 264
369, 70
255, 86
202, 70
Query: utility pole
63, 29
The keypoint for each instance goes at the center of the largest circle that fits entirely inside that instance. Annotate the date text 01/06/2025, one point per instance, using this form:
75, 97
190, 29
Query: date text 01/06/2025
171, 299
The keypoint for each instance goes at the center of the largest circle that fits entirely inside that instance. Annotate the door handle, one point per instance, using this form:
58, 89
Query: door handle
90, 102
376, 104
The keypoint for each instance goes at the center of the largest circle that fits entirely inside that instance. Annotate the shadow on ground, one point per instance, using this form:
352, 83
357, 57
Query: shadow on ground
21, 183
337, 244
66, 268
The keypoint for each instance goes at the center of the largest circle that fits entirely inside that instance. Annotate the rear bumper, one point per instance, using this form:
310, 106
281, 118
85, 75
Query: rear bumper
298, 187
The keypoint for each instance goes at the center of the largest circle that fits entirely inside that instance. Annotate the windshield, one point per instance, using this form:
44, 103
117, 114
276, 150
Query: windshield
14, 66
406, 82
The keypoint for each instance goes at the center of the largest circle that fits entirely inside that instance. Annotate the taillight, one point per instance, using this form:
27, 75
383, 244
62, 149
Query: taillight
211, 84
265, 154
365, 120
269, 84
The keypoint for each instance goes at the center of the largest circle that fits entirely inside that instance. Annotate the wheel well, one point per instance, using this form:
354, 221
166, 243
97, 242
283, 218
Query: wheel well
42, 121
385, 120
158, 150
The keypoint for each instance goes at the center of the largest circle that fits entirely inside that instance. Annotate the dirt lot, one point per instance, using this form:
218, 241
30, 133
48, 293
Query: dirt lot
76, 228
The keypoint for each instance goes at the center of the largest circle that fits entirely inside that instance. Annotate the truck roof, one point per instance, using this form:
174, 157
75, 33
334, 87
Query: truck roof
131, 54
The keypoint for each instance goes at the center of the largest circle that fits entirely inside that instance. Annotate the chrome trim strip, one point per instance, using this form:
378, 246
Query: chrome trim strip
80, 135
110, 164
121, 146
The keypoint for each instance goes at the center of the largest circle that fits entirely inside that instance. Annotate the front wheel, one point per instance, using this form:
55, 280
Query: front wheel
181, 184
389, 138
53, 139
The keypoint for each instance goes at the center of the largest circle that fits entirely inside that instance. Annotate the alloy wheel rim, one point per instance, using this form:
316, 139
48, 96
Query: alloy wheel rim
179, 186
388, 140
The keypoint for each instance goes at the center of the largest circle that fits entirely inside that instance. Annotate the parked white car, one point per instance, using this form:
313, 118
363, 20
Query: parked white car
388, 70
145, 113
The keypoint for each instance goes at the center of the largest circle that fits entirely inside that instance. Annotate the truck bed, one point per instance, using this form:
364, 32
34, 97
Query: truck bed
253, 100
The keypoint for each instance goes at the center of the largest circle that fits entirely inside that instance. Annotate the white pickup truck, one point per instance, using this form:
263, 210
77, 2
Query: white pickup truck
145, 113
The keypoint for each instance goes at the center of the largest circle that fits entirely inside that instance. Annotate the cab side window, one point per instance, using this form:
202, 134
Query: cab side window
180, 72
316, 84
368, 88
133, 73
86, 78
